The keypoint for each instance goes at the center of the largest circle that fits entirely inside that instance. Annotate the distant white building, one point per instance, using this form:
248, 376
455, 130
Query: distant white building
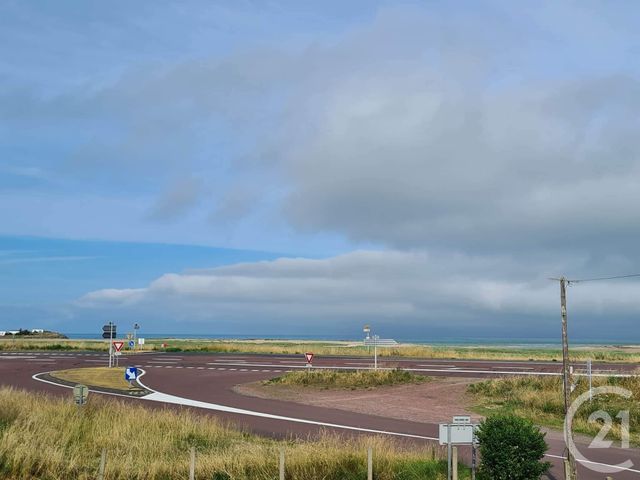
13, 332
2, 333
37, 330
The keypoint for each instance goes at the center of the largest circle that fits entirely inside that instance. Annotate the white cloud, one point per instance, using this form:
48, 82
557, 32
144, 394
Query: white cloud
392, 286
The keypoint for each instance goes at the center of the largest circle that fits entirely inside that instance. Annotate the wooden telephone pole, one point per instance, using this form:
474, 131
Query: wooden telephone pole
570, 472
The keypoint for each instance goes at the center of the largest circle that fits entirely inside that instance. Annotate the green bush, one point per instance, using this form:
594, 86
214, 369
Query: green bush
511, 448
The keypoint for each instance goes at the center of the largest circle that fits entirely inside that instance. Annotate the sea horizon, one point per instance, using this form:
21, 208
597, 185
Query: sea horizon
513, 342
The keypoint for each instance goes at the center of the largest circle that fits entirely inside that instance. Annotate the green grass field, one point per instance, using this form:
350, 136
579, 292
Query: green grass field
347, 379
51, 438
540, 399
607, 354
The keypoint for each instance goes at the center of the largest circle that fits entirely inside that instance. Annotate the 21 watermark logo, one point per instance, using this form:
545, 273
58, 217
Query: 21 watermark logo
599, 440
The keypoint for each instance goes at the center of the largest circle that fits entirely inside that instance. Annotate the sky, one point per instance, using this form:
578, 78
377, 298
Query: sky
285, 167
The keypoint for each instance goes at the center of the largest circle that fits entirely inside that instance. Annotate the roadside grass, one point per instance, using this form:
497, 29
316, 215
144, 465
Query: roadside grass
603, 354
96, 377
50, 438
347, 379
540, 399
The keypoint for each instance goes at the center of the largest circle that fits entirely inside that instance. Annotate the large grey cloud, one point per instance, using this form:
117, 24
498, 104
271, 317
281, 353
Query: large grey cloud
417, 128
504, 136
391, 288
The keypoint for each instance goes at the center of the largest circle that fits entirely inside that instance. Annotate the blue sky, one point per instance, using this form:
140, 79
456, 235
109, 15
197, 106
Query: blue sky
289, 167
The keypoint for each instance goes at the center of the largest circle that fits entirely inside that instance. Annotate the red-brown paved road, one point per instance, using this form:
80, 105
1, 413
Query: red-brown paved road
211, 377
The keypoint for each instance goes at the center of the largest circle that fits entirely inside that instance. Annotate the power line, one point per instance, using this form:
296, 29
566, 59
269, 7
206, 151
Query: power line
604, 278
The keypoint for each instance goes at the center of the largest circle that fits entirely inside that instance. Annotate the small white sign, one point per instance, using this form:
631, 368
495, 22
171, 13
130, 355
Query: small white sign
462, 420
141, 341
460, 434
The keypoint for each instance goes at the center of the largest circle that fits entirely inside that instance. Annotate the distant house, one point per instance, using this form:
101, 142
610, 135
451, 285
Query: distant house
2, 333
13, 332
37, 330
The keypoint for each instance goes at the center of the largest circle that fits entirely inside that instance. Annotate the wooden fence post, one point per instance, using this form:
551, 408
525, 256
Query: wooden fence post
103, 461
192, 466
282, 464
454, 463
369, 463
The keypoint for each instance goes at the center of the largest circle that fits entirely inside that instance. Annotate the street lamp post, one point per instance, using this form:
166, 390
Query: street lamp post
136, 327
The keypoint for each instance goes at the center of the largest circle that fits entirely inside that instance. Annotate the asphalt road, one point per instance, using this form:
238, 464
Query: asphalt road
209, 378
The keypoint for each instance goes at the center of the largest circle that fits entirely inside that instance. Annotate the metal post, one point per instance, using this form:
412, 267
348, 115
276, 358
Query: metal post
110, 344
570, 465
454, 463
449, 453
282, 464
103, 461
375, 353
192, 467
590, 380
370, 464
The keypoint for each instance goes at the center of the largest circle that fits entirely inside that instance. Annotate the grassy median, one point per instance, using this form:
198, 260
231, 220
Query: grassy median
540, 399
95, 377
347, 379
51, 438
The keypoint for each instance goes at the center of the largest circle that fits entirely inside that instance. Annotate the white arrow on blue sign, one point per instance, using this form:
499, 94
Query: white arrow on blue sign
131, 373
131, 343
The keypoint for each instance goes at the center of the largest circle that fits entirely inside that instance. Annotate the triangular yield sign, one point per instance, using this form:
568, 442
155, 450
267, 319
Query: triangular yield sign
309, 357
118, 346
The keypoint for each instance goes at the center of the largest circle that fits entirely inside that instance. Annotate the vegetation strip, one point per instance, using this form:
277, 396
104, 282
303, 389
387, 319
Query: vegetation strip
602, 354
349, 379
540, 400
51, 438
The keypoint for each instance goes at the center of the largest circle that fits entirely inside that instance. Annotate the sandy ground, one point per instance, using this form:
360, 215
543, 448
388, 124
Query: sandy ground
435, 401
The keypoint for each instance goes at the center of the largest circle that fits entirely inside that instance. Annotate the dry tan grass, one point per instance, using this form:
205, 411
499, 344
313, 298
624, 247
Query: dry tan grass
95, 377
50, 438
540, 399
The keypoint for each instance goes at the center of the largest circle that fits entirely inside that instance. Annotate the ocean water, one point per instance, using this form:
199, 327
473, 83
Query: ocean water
444, 341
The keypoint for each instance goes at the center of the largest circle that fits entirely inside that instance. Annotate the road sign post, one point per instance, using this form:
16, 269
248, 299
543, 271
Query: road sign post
309, 357
109, 331
459, 432
80, 394
117, 349
131, 374
136, 327
376, 341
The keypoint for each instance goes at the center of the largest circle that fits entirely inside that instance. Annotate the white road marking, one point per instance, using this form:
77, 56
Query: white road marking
622, 469
515, 368
437, 365
14, 358
433, 370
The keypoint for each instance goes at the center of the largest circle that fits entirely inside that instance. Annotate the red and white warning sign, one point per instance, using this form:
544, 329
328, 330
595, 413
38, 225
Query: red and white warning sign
309, 357
118, 346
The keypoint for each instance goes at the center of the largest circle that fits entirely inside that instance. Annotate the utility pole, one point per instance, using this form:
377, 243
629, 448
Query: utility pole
570, 462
